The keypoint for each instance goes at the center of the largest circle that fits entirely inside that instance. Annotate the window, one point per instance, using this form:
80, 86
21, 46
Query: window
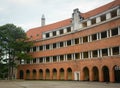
104, 52
93, 21
61, 44
104, 34
68, 42
34, 60
47, 35
95, 53
34, 49
54, 33
103, 17
54, 45
85, 39
85, 54
69, 56
115, 50
47, 47
94, 37
68, 29
114, 31
47, 59
61, 31
61, 58
28, 61
40, 48
114, 13
84, 24
77, 41
54, 58
77, 55
41, 60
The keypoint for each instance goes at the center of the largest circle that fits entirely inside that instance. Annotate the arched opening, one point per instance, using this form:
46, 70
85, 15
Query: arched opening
69, 74
105, 74
34, 74
40, 74
27, 74
95, 74
117, 73
47, 74
61, 74
86, 74
21, 74
54, 74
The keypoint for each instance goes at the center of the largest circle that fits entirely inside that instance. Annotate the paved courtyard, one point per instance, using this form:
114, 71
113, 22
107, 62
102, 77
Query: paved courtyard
56, 84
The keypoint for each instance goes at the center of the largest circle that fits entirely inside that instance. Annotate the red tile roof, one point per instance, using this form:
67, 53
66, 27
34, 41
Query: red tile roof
36, 33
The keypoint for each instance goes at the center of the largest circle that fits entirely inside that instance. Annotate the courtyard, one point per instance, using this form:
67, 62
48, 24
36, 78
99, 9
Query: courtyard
56, 84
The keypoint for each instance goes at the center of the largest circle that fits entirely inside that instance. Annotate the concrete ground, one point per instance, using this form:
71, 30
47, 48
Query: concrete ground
56, 84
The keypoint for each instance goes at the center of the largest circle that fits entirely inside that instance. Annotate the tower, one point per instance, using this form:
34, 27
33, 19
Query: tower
43, 20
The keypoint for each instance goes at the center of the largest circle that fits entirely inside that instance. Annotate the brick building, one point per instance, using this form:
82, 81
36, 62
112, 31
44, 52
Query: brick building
84, 47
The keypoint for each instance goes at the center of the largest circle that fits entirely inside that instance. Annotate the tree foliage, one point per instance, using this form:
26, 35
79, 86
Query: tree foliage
13, 46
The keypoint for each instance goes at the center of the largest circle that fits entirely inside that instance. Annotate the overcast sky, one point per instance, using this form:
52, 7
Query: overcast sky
27, 13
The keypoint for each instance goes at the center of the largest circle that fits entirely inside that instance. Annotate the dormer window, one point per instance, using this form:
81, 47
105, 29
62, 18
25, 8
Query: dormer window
47, 35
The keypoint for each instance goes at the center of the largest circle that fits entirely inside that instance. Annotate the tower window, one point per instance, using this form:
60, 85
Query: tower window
77, 56
34, 49
47, 59
40, 47
47, 35
114, 13
61, 31
54, 33
68, 29
47, 47
61, 44
41, 60
54, 45
94, 53
103, 17
61, 57
93, 21
94, 37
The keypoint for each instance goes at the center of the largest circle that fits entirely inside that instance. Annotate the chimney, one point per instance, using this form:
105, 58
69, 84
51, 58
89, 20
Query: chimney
43, 20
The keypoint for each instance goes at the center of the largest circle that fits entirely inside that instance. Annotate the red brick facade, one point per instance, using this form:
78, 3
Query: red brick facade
89, 51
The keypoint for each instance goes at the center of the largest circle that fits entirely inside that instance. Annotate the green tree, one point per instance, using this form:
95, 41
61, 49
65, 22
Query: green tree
14, 46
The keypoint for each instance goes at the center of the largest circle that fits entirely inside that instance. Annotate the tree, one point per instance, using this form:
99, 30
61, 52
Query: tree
13, 46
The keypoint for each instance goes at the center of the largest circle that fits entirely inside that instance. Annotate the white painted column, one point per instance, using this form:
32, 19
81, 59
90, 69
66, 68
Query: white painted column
44, 35
100, 52
108, 51
118, 11
108, 15
65, 30
57, 32
108, 34
98, 19
89, 23
81, 25
119, 30
51, 34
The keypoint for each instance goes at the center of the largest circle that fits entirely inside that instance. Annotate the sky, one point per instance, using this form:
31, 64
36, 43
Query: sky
27, 13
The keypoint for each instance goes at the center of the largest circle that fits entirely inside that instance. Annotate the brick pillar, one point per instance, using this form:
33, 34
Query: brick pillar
44, 74
51, 74
65, 74
91, 75
37, 74
58, 74
82, 75
112, 78
31, 74
24, 77
101, 75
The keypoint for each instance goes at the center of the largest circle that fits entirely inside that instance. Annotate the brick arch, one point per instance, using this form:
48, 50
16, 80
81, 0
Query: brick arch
95, 74
86, 73
34, 72
116, 71
54, 73
41, 74
61, 72
47, 71
69, 73
105, 72
21, 74
27, 74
